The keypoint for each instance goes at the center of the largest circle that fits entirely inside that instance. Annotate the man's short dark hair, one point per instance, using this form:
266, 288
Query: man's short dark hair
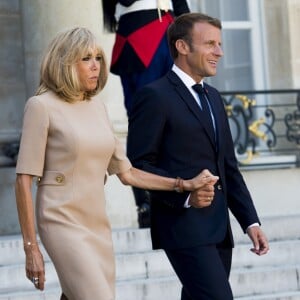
182, 26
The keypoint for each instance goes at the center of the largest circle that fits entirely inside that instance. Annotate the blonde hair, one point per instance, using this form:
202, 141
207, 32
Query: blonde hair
58, 69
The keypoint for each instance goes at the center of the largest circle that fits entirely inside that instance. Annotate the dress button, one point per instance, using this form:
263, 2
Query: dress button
59, 178
219, 187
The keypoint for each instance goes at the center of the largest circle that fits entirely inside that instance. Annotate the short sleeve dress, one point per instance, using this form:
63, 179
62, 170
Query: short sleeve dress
71, 147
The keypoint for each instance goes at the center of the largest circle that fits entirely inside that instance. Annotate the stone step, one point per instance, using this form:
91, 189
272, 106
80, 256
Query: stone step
155, 263
265, 283
141, 269
276, 228
139, 240
277, 296
265, 280
12, 278
151, 264
49, 294
281, 253
148, 265
245, 283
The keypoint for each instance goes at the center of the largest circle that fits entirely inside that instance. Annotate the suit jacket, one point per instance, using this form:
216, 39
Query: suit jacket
167, 136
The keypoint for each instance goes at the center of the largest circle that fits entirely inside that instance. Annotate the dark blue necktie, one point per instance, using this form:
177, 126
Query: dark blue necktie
206, 111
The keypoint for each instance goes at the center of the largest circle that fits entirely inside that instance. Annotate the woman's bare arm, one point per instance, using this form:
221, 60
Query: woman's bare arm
35, 270
146, 180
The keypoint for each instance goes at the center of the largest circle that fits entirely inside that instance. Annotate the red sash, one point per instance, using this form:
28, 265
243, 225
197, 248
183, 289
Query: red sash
144, 41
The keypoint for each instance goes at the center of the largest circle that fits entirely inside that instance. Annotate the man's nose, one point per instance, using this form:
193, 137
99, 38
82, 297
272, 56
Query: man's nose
218, 51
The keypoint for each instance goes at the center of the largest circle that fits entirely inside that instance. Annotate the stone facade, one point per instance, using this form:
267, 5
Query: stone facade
27, 26
12, 83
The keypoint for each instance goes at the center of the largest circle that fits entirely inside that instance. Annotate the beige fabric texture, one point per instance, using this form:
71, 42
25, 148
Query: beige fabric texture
71, 146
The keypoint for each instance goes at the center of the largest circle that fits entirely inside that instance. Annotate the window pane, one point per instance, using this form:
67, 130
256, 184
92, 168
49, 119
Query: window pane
235, 67
229, 10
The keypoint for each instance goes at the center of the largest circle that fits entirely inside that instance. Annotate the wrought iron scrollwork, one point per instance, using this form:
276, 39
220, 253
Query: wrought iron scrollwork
271, 139
239, 117
247, 131
292, 121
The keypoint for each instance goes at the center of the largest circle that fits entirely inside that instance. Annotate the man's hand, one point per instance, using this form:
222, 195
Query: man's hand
202, 197
259, 240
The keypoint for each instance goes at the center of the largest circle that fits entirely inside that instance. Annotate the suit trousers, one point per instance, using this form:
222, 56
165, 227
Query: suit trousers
203, 271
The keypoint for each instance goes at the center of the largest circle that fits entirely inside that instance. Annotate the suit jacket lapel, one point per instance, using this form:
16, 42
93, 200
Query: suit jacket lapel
188, 98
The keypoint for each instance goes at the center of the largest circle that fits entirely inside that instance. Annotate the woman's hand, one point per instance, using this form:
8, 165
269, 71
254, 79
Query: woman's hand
203, 195
203, 180
35, 267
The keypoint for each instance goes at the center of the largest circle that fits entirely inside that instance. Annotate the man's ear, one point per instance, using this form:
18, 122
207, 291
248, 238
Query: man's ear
182, 47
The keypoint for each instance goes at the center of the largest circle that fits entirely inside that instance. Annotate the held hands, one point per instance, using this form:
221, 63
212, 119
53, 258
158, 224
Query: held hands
203, 179
35, 269
203, 194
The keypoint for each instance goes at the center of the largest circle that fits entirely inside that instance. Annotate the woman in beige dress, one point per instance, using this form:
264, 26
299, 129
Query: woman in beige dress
68, 144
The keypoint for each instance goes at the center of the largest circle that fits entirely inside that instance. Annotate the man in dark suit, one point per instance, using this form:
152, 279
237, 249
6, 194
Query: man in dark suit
177, 128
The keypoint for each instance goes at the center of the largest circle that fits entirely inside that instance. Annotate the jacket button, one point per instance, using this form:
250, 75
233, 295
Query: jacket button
219, 187
59, 178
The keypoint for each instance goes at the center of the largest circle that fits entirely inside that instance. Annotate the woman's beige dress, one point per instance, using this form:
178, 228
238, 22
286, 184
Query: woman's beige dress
71, 147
